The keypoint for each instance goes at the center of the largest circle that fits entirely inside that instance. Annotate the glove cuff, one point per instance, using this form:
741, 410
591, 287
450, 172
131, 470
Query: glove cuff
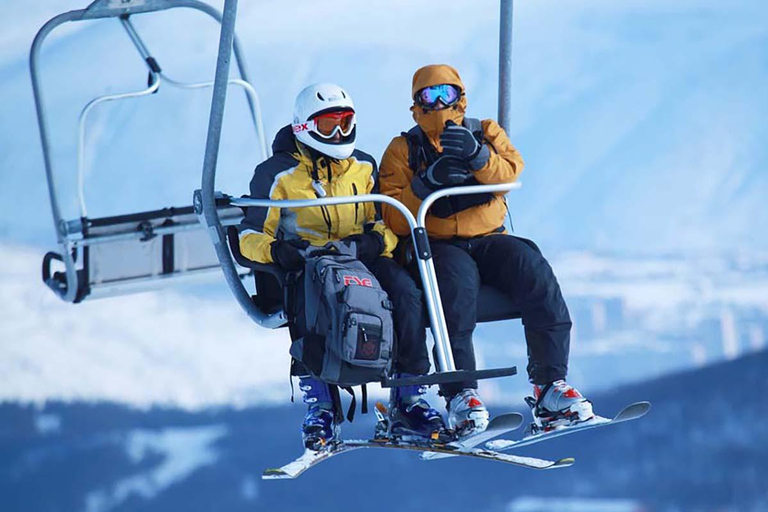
420, 189
379, 242
274, 253
480, 159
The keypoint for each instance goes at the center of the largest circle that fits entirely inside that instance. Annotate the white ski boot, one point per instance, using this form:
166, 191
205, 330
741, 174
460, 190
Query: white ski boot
558, 405
467, 414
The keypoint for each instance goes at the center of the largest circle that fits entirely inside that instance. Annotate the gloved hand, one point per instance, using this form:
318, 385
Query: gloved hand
446, 171
368, 245
287, 253
459, 142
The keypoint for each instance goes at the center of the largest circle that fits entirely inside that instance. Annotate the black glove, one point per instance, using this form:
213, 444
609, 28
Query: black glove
287, 253
459, 142
368, 245
446, 171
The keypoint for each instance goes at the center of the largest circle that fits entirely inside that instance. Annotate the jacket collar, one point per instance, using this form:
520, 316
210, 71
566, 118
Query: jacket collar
285, 142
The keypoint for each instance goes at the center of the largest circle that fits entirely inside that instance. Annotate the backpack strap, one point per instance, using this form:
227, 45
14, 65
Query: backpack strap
338, 416
364, 392
353, 404
416, 151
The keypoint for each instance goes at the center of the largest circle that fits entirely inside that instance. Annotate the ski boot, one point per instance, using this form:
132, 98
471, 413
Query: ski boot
320, 427
558, 405
411, 416
467, 414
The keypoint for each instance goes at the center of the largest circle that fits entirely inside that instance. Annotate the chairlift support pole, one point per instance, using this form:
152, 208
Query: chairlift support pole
505, 64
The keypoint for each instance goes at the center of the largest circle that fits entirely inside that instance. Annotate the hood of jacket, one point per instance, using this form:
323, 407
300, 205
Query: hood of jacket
432, 122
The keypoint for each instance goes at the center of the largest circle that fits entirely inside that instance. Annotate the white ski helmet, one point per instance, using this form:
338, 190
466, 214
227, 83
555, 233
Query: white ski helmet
316, 100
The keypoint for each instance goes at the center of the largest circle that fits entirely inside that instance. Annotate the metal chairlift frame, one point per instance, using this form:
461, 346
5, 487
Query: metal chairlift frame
205, 205
73, 235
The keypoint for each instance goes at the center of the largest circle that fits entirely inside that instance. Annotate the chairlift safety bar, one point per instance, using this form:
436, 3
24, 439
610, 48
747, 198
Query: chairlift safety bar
418, 232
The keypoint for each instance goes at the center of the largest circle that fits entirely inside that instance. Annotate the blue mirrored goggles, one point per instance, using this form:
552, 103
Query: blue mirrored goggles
447, 93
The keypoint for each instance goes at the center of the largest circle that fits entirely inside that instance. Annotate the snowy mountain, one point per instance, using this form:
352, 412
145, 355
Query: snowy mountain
700, 449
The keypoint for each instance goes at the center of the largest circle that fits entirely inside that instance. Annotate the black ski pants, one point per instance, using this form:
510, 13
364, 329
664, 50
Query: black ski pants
517, 268
409, 315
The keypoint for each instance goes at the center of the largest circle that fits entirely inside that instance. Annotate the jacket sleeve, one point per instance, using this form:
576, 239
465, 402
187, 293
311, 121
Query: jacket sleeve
373, 218
258, 228
505, 163
395, 181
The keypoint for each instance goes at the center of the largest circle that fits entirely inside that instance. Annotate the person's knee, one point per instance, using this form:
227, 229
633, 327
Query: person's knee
458, 279
531, 261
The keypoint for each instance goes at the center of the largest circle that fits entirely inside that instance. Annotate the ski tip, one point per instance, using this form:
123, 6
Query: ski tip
518, 420
274, 474
565, 462
633, 411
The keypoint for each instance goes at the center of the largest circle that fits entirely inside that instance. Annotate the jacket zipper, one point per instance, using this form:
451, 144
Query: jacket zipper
326, 212
354, 189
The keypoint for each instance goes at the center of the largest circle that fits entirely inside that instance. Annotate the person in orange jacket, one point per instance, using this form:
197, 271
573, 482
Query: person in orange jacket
470, 246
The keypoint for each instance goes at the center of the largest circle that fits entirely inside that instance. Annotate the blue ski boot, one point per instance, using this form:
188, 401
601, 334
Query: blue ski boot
411, 415
319, 427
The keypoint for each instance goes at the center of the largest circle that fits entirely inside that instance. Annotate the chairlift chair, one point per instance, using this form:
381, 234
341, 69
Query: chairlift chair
497, 306
140, 251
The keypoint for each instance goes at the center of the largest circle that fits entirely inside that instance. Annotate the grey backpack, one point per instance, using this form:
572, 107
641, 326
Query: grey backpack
347, 320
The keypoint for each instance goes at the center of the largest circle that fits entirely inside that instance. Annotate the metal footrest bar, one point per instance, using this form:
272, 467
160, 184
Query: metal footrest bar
447, 377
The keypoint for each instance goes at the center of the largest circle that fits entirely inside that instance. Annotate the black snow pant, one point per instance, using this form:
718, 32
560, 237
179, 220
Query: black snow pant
409, 315
515, 267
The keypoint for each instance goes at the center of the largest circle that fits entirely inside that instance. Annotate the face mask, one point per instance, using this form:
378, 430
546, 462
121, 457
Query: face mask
432, 122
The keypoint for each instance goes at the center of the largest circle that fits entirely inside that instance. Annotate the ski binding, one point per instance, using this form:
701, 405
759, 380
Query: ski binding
498, 426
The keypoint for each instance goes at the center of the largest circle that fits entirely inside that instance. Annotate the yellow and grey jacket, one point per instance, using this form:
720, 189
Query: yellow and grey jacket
288, 174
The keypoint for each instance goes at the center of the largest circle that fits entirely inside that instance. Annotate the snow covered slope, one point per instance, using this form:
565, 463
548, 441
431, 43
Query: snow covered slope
143, 350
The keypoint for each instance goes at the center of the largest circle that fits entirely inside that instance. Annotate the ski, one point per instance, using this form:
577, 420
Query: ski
307, 461
498, 426
310, 459
526, 462
629, 413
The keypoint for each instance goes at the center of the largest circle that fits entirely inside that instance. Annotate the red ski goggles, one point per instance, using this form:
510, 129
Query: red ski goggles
328, 124
449, 94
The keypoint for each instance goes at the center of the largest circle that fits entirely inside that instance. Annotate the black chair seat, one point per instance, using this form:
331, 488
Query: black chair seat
493, 306
270, 279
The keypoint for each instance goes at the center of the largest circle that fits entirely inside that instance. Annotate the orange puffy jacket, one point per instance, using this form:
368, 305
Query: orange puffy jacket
504, 166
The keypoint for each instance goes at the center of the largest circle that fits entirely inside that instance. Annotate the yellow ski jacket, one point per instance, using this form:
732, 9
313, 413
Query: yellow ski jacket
288, 175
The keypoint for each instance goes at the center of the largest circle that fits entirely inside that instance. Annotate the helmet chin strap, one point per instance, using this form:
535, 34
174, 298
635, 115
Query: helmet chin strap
314, 156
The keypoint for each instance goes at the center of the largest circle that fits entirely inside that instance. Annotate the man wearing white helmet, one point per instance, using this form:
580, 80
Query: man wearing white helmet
315, 157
